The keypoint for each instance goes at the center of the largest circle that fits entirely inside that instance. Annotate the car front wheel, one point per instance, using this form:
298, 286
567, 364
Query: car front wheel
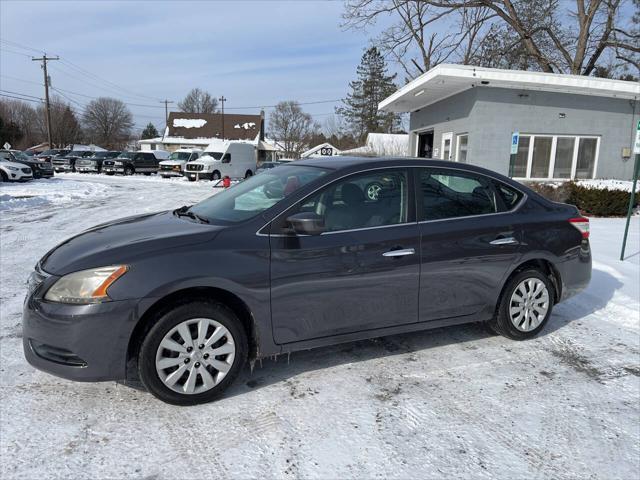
192, 353
525, 305
128, 171
215, 175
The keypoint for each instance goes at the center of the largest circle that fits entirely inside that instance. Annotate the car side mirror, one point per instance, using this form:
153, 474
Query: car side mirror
306, 223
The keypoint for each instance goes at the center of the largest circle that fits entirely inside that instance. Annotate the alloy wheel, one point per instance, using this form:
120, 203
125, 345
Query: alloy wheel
195, 356
529, 304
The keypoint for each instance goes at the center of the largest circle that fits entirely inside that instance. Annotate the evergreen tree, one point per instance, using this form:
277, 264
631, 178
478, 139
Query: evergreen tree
149, 131
374, 84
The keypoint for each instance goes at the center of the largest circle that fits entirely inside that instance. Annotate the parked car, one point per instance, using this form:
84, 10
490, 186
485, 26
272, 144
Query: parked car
300, 257
94, 162
29, 153
47, 155
266, 166
11, 171
67, 163
39, 168
129, 163
174, 165
223, 159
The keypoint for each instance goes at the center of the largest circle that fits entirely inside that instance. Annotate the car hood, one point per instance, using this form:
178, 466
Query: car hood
124, 241
9, 163
173, 162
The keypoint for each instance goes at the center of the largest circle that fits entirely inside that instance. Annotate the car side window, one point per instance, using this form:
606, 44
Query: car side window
449, 193
373, 199
226, 158
510, 196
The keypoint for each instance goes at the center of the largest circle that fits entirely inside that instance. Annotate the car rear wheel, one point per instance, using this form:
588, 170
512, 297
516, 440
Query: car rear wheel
525, 305
248, 174
192, 353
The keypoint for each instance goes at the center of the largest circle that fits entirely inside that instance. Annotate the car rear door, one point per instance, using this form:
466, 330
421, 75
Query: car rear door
470, 237
361, 274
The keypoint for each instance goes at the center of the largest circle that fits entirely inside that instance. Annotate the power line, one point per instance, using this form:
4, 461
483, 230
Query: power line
18, 45
20, 98
12, 51
22, 80
23, 94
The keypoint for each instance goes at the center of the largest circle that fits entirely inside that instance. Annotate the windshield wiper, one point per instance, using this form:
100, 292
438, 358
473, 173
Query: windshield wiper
185, 212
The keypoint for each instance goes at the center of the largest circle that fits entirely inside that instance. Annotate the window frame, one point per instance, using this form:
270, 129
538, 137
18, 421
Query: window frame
552, 155
411, 204
457, 157
500, 203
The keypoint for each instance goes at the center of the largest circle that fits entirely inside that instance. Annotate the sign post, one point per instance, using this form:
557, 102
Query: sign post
636, 172
515, 139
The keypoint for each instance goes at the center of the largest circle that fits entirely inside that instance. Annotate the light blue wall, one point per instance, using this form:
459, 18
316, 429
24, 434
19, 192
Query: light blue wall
490, 115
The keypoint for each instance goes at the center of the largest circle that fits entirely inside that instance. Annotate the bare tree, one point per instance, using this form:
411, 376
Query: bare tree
291, 126
546, 35
25, 117
198, 101
108, 122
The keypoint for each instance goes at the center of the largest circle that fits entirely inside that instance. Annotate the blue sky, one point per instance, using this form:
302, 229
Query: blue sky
253, 52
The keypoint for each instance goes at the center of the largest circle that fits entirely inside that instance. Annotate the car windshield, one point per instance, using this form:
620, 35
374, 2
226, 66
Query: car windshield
255, 195
101, 155
21, 156
214, 155
75, 153
127, 155
49, 152
179, 156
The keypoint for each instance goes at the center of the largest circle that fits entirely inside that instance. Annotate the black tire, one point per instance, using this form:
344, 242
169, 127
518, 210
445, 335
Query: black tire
129, 170
249, 174
215, 176
147, 174
502, 324
165, 322
109, 173
191, 179
3, 177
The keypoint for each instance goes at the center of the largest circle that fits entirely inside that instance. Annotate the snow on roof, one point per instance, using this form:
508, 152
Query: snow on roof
189, 122
445, 80
381, 144
246, 125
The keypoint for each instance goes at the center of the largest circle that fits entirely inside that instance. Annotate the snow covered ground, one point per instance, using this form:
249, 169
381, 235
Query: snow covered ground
449, 403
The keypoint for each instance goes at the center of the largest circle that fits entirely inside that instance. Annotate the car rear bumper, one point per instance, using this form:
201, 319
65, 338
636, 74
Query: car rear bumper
79, 342
575, 271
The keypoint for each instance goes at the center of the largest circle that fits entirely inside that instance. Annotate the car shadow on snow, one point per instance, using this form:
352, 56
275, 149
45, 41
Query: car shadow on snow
284, 367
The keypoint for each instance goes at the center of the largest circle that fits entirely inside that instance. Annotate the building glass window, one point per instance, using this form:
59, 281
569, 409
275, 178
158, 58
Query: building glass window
463, 143
541, 157
556, 156
520, 165
586, 157
564, 157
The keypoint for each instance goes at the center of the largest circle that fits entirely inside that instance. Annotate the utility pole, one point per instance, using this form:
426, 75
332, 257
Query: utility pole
166, 112
44, 60
222, 100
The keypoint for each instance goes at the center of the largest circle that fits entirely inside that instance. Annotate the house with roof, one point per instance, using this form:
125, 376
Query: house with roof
322, 150
530, 125
198, 130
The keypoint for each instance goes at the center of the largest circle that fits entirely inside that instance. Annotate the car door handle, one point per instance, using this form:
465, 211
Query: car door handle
504, 241
399, 253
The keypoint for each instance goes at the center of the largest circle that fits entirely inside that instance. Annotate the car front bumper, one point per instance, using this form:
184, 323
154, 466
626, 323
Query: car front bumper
62, 168
113, 169
198, 175
86, 169
79, 342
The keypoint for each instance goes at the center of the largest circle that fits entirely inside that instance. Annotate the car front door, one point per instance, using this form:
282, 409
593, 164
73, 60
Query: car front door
361, 273
470, 237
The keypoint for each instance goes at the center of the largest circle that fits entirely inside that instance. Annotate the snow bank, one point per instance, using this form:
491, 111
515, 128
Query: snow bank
611, 184
45, 192
189, 122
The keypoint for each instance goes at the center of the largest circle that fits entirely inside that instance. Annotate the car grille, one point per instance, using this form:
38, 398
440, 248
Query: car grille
60, 162
26, 170
194, 168
45, 166
85, 163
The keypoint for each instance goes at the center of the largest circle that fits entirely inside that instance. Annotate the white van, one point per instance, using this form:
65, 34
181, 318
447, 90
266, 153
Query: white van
174, 166
223, 159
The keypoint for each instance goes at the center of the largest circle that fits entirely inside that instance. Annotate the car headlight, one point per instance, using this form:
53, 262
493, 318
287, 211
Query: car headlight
86, 286
117, 163
13, 169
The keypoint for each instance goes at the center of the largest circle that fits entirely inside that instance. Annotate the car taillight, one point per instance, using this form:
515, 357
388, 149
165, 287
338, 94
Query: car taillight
582, 224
